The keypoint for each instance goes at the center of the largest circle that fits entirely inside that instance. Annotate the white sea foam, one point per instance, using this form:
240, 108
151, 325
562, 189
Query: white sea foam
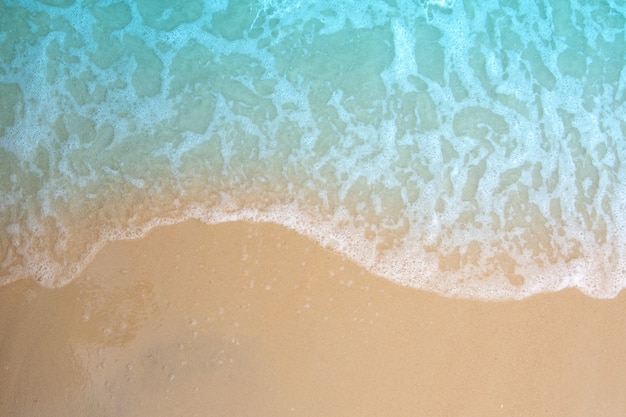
438, 144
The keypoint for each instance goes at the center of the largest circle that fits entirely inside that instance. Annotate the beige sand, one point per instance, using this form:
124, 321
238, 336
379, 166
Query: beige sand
254, 320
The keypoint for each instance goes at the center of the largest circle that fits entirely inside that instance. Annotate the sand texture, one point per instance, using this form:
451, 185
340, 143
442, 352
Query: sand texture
245, 319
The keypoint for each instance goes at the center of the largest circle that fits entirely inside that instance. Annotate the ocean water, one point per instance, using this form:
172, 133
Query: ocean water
470, 148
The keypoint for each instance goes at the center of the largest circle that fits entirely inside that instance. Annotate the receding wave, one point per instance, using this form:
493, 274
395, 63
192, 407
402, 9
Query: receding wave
469, 148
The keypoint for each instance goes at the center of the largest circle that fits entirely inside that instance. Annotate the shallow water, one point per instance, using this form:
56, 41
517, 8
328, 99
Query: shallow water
469, 148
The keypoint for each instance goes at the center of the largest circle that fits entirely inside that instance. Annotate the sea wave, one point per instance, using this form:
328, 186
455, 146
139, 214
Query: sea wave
471, 149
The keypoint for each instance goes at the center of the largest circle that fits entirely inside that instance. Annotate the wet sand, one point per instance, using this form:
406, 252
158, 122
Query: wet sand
244, 319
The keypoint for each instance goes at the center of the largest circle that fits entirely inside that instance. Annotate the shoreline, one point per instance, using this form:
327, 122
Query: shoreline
254, 319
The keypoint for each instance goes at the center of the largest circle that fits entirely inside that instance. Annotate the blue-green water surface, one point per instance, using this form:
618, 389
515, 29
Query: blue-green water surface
471, 148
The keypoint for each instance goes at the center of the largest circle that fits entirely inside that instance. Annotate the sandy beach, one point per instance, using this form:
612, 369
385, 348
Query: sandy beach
243, 319
467, 148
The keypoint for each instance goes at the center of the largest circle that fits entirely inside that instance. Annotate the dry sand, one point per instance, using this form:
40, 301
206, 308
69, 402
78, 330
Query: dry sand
244, 319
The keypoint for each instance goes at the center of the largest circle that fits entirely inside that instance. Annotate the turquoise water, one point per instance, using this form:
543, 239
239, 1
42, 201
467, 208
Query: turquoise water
470, 148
